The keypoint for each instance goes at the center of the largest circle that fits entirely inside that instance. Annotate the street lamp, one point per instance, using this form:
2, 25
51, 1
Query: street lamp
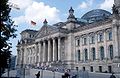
77, 72
53, 73
8, 62
42, 72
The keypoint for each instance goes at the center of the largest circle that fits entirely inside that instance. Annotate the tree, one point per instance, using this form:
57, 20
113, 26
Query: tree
7, 31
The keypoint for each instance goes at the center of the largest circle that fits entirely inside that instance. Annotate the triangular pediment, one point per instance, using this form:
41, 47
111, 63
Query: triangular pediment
46, 30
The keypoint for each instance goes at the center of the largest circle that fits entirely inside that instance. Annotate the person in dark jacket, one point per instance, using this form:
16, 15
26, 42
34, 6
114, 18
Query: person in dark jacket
112, 76
67, 75
38, 74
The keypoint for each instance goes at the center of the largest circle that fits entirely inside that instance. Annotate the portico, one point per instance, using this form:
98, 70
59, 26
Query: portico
50, 50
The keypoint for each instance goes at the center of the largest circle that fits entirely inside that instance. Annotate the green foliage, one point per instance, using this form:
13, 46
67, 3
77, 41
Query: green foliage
7, 31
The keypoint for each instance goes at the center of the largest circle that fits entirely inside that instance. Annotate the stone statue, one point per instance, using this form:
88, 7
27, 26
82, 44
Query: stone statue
115, 10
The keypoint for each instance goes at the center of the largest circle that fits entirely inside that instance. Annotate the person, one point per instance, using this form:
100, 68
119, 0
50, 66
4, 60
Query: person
38, 74
67, 75
112, 76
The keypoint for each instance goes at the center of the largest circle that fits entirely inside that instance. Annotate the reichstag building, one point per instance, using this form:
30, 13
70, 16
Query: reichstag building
90, 43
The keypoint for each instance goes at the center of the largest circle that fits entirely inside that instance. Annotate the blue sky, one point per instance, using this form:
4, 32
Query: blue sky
52, 10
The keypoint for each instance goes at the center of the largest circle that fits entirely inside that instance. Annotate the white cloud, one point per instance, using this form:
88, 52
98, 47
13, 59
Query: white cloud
37, 11
85, 4
107, 4
18, 20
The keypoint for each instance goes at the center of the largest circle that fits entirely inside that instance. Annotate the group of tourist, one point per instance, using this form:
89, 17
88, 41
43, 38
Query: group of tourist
68, 75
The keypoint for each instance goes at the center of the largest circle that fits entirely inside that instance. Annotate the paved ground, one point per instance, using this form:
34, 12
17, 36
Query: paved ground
31, 74
46, 74
49, 74
102, 75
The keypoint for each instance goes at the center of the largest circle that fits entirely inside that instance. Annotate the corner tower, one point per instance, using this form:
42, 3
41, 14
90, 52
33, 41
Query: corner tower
117, 3
71, 20
116, 6
116, 30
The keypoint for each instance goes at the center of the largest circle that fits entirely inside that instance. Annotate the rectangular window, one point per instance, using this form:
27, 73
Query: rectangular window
77, 42
92, 39
78, 55
91, 68
84, 41
110, 36
100, 37
100, 68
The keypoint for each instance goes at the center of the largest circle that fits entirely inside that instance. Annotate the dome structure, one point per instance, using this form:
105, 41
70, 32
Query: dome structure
96, 15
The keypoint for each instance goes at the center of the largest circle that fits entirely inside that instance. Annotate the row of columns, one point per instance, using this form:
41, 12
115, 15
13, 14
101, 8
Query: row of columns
49, 50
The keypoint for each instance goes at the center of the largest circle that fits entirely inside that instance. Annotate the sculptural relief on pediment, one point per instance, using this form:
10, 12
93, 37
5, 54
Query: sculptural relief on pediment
46, 30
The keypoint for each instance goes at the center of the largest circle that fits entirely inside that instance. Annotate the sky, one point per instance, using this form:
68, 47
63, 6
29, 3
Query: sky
52, 10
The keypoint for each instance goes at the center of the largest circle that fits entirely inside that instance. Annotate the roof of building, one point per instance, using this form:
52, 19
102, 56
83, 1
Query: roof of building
29, 31
96, 15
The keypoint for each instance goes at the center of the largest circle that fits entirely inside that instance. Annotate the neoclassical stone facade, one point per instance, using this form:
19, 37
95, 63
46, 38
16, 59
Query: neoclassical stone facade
90, 43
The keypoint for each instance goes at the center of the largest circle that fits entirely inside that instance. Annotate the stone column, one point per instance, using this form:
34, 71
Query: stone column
44, 51
59, 48
115, 41
49, 51
39, 44
18, 56
105, 46
22, 60
89, 51
81, 49
96, 47
54, 50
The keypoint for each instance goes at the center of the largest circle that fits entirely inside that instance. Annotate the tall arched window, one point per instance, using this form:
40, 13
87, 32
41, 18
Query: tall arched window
111, 51
102, 53
93, 53
86, 54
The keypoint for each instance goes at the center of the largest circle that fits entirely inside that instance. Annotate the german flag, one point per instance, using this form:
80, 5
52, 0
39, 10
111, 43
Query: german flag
33, 23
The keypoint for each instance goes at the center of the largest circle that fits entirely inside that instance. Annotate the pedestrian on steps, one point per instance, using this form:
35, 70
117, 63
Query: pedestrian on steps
112, 76
38, 74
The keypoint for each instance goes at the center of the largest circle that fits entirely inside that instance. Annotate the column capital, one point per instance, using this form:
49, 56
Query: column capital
48, 39
59, 37
53, 38
44, 40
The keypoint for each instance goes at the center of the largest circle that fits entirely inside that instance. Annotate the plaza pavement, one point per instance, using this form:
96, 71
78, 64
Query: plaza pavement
31, 74
49, 74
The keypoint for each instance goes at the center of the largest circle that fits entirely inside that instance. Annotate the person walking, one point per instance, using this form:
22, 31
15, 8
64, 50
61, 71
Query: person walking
38, 74
112, 76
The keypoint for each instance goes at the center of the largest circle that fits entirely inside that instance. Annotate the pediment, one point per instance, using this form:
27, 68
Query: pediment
46, 30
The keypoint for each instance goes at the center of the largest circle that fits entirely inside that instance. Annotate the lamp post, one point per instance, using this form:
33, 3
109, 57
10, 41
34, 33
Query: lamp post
42, 73
77, 72
8, 62
53, 73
